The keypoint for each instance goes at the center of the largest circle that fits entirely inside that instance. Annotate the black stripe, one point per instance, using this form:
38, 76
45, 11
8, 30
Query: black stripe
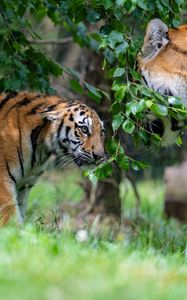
20, 161
145, 81
34, 109
65, 140
71, 117
177, 49
67, 130
77, 134
63, 148
9, 173
21, 103
84, 119
7, 98
71, 103
59, 128
49, 108
169, 93
34, 137
20, 141
75, 147
75, 142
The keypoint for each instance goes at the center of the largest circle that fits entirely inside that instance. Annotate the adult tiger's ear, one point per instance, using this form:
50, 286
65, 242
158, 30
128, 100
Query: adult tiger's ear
50, 115
156, 38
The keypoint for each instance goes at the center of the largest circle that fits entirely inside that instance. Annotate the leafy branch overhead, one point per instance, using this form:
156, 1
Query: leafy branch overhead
108, 27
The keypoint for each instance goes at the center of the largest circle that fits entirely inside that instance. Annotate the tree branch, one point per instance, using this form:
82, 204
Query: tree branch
52, 42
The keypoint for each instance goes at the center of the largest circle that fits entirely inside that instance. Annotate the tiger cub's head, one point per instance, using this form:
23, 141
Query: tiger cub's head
162, 63
77, 133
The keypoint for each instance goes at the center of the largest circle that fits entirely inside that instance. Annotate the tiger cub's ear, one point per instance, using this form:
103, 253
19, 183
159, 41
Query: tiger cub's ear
50, 115
156, 38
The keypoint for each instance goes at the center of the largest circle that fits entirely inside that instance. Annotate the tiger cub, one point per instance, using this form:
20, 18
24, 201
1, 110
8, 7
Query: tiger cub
162, 63
32, 128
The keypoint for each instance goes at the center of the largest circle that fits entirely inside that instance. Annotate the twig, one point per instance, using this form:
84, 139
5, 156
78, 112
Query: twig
55, 220
52, 42
90, 205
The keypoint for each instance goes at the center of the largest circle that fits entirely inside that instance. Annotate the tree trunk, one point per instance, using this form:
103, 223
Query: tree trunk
176, 192
106, 199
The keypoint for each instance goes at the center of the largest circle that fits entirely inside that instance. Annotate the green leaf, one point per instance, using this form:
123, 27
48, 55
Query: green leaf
179, 141
174, 101
114, 37
121, 48
146, 92
142, 4
109, 55
107, 3
135, 75
117, 121
75, 85
135, 107
72, 72
137, 165
94, 93
118, 72
123, 162
103, 171
112, 145
120, 93
144, 136
128, 126
160, 110
149, 103
93, 16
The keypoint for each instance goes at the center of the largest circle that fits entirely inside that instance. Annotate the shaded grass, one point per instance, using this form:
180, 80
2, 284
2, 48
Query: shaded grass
51, 191
146, 262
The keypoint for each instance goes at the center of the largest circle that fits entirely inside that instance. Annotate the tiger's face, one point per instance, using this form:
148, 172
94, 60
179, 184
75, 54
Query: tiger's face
79, 134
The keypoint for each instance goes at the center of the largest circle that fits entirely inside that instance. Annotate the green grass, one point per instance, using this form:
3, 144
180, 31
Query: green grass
146, 262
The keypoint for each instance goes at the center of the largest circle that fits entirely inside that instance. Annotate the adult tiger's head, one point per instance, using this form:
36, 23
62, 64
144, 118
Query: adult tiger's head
162, 63
77, 132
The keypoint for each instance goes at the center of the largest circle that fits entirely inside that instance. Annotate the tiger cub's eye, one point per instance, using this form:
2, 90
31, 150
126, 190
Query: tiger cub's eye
84, 129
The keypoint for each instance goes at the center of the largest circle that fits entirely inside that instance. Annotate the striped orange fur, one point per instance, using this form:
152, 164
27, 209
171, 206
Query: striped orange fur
163, 59
162, 63
32, 128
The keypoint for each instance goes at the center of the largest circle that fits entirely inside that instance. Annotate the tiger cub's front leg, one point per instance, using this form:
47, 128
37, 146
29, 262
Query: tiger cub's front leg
8, 202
